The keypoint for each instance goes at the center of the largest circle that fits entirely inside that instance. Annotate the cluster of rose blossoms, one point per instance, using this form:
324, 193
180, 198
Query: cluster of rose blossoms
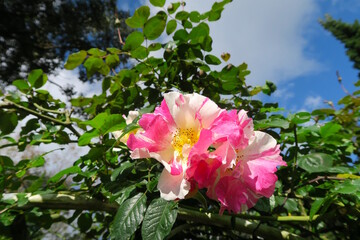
204, 146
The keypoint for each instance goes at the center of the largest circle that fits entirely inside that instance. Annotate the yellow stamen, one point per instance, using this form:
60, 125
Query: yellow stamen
182, 137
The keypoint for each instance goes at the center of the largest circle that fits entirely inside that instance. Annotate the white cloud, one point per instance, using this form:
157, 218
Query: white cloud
312, 102
268, 35
70, 78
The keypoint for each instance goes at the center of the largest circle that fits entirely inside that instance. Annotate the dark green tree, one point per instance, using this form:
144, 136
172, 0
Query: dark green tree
40, 33
348, 34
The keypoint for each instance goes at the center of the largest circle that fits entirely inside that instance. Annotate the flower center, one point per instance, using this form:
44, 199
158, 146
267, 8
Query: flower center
181, 137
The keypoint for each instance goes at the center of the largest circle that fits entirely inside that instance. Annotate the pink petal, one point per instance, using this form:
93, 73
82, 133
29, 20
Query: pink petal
173, 187
234, 195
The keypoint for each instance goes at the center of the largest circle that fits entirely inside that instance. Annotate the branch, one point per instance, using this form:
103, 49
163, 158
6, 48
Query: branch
239, 224
71, 200
10, 103
66, 200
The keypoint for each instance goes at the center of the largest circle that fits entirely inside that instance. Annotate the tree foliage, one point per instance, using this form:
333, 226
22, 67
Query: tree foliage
40, 34
348, 34
317, 194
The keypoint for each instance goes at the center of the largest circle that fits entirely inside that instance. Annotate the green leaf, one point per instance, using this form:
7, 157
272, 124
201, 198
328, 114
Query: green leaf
134, 40
37, 162
315, 162
157, 3
95, 52
329, 129
93, 65
9, 121
22, 85
315, 207
272, 122
158, 220
154, 47
154, 27
348, 187
67, 171
199, 33
112, 60
194, 16
171, 26
269, 88
301, 117
182, 15
36, 78
139, 18
75, 60
211, 59
140, 53
84, 222
173, 7
85, 139
118, 171
22, 199
128, 217
114, 50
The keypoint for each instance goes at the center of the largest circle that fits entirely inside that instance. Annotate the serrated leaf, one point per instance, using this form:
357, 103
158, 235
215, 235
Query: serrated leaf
171, 26
315, 162
75, 60
158, 220
128, 217
139, 18
154, 27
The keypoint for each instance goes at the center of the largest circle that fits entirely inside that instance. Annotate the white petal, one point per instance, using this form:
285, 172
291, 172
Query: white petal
260, 143
187, 110
131, 116
173, 187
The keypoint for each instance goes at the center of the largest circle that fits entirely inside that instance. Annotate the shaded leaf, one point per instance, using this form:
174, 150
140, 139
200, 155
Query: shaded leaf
158, 220
315, 162
128, 217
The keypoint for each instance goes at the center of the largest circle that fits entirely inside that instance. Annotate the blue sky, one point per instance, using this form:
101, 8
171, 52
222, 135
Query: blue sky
282, 41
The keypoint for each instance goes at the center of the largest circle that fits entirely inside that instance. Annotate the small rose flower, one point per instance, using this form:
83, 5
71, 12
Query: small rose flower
169, 134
